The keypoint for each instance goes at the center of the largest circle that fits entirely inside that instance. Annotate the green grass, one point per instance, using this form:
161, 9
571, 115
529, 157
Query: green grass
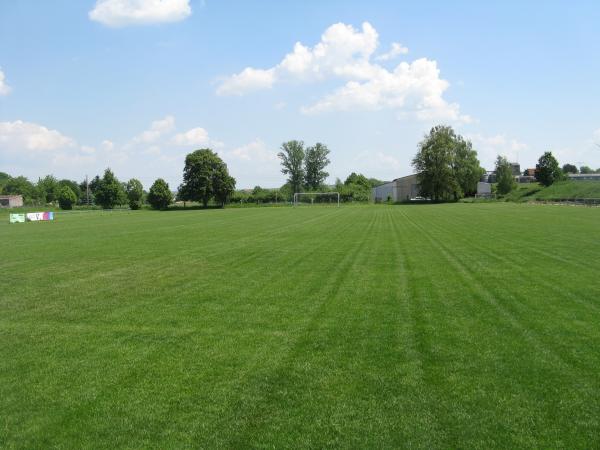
563, 190
436, 326
570, 190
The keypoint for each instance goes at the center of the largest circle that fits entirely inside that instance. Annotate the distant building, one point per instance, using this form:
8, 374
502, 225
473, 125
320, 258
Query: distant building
484, 189
515, 168
530, 172
11, 201
400, 190
525, 179
584, 176
488, 177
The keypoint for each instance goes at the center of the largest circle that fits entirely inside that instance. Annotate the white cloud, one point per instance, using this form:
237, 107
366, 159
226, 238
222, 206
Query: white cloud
4, 88
597, 136
247, 80
118, 13
489, 147
379, 164
254, 151
19, 136
396, 50
195, 136
254, 164
346, 53
107, 145
157, 129
414, 88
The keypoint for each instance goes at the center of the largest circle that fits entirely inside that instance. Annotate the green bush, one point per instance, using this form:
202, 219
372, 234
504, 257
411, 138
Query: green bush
66, 197
160, 197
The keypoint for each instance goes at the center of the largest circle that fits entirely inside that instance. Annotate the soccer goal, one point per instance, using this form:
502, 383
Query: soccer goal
321, 198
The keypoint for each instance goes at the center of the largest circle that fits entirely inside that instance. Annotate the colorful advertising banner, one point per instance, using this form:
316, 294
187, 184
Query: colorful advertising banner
37, 216
17, 218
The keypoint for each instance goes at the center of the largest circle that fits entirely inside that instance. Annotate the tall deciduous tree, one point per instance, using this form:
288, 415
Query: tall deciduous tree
292, 160
466, 167
547, 170
48, 188
205, 176
109, 191
446, 164
570, 168
315, 161
159, 196
504, 176
135, 193
20, 186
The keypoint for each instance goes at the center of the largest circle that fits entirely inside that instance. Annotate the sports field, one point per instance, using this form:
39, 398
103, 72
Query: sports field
438, 326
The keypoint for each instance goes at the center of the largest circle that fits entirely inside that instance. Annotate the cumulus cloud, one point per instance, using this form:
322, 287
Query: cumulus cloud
247, 80
254, 151
347, 53
157, 129
4, 88
32, 149
489, 147
396, 50
20, 136
195, 136
254, 164
118, 13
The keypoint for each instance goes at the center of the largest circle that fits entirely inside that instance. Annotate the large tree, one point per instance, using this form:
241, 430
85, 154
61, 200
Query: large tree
547, 170
504, 177
48, 188
570, 168
159, 196
21, 186
292, 159
135, 193
446, 164
109, 191
466, 167
315, 161
433, 164
205, 176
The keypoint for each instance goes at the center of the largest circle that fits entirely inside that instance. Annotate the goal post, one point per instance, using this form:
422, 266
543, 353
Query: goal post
310, 197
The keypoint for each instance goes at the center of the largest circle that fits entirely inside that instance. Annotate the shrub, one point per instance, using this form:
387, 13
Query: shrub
66, 198
160, 197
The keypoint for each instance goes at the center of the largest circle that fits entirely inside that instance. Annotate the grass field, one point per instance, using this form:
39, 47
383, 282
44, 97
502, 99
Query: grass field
561, 190
439, 326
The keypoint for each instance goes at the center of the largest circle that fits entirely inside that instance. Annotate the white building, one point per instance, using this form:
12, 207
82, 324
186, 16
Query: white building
11, 201
400, 190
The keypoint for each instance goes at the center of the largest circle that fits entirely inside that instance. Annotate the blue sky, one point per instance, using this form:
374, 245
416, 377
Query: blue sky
137, 84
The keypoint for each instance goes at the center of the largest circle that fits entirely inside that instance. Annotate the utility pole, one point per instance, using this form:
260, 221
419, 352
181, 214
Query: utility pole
87, 190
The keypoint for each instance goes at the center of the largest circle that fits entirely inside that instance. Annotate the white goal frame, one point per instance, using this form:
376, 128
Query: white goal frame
298, 194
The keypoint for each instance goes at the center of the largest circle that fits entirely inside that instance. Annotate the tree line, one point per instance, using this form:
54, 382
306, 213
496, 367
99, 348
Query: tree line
446, 164
448, 169
205, 179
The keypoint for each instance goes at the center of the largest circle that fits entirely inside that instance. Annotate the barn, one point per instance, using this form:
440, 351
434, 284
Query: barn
11, 201
400, 190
